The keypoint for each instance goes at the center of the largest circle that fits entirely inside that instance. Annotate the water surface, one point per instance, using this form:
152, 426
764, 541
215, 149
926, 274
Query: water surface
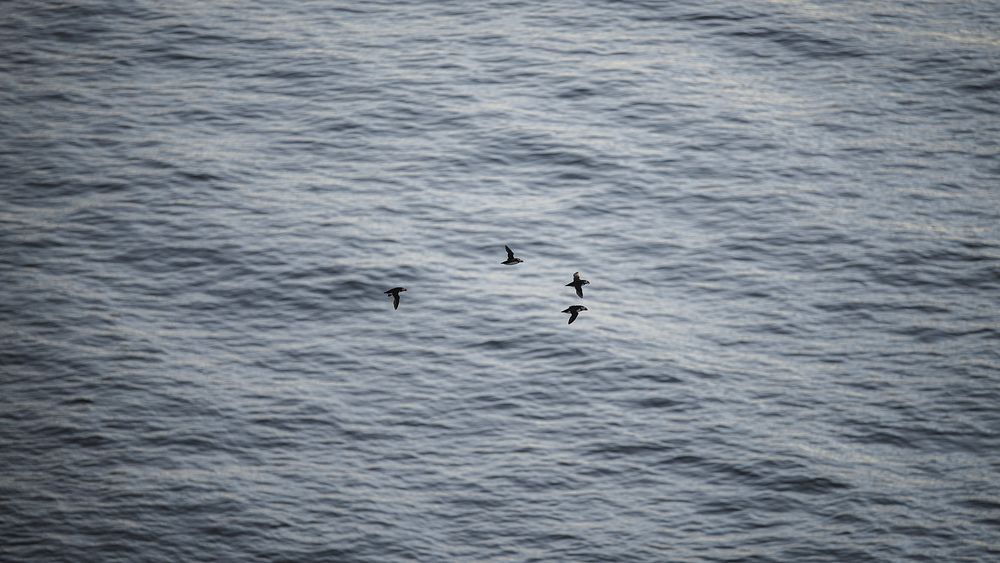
788, 212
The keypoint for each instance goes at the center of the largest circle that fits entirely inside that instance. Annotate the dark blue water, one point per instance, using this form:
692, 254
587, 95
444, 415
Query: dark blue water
788, 210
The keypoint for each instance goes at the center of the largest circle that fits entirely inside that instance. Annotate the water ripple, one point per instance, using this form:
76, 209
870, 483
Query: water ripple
786, 210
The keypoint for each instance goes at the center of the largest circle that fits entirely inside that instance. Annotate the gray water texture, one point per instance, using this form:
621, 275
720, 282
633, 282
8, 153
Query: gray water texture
788, 211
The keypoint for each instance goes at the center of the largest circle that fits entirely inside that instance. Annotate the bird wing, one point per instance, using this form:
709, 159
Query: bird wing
510, 253
579, 291
572, 317
395, 300
576, 276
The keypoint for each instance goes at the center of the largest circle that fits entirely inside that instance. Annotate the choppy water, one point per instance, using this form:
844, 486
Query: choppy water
788, 212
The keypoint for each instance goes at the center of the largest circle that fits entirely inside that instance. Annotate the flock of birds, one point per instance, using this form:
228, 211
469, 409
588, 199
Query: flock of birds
577, 283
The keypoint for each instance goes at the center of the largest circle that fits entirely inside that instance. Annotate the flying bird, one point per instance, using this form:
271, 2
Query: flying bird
573, 311
578, 283
510, 257
394, 292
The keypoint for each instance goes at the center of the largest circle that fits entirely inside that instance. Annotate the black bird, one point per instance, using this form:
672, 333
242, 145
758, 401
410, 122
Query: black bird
510, 257
573, 311
394, 292
578, 284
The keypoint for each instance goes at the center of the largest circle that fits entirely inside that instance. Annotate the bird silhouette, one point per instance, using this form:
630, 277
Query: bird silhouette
573, 311
394, 292
510, 257
578, 283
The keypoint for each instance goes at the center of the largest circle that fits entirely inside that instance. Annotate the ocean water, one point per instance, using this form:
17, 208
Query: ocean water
788, 211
